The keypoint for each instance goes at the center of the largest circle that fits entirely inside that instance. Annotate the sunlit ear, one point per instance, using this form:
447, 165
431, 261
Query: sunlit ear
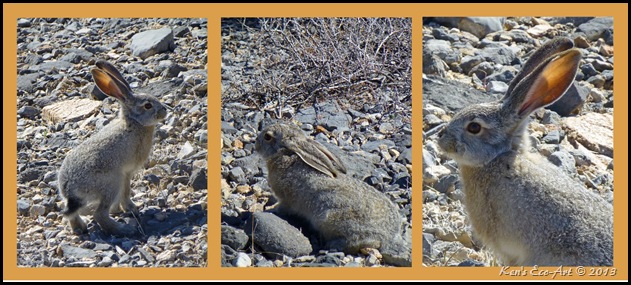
114, 73
107, 84
551, 82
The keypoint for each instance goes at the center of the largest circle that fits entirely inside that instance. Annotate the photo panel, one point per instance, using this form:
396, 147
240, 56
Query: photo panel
111, 142
316, 138
518, 141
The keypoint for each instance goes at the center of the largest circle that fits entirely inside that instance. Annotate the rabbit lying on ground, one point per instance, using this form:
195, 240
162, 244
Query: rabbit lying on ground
311, 182
525, 209
100, 169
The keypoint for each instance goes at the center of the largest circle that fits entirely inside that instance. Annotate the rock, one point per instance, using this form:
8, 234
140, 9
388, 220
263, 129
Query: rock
453, 95
468, 62
498, 53
497, 87
27, 82
602, 65
242, 260
236, 174
433, 64
447, 183
24, 23
553, 137
70, 110
471, 263
581, 42
69, 251
482, 70
186, 151
596, 28
233, 237
275, 236
406, 156
597, 95
440, 48
538, 30
199, 33
592, 130
198, 179
443, 34
520, 36
30, 174
505, 74
37, 210
166, 256
58, 65
23, 207
564, 160
327, 114
181, 31
75, 55
588, 70
148, 43
374, 146
28, 112
479, 26
399, 255
571, 101
598, 81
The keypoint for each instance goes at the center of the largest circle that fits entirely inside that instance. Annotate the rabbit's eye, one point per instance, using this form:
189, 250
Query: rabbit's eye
148, 106
267, 137
474, 128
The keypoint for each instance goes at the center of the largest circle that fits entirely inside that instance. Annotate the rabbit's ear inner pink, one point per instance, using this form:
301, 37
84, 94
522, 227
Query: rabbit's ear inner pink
552, 81
544, 52
113, 72
318, 157
108, 84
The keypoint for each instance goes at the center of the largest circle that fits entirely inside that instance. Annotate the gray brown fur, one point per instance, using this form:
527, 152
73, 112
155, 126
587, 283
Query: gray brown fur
100, 169
348, 213
522, 207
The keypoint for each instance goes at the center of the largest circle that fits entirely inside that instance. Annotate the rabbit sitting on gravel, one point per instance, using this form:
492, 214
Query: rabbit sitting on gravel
100, 169
525, 209
311, 182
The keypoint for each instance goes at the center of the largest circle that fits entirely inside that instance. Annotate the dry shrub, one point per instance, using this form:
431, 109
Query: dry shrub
354, 61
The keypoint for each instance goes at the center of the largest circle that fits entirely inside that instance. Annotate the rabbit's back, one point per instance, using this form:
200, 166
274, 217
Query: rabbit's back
339, 208
530, 213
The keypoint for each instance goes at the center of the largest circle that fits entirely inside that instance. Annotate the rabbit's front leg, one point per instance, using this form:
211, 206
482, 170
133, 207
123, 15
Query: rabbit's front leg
102, 217
125, 202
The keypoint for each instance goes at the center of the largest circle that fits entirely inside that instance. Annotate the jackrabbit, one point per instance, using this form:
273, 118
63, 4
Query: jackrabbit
310, 182
100, 169
525, 209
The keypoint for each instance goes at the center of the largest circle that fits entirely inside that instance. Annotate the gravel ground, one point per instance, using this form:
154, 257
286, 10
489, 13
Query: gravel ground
59, 107
473, 61
270, 71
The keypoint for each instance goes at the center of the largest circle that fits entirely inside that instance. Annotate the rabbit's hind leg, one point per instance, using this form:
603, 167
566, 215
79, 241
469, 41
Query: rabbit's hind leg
71, 213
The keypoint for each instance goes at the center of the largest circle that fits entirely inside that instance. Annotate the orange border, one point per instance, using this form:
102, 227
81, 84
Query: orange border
213, 12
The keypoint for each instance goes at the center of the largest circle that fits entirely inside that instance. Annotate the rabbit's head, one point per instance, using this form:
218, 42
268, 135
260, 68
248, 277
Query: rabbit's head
479, 133
285, 139
142, 108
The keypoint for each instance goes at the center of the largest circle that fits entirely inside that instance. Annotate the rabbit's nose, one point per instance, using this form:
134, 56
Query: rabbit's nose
162, 113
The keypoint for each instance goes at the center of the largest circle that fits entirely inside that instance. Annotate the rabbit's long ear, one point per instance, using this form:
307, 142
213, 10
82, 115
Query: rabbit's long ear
318, 157
109, 85
546, 84
112, 71
539, 56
